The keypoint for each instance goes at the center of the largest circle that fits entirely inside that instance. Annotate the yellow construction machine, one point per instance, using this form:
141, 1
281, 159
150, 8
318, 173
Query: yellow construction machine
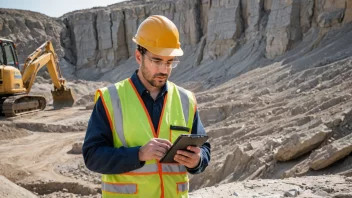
15, 85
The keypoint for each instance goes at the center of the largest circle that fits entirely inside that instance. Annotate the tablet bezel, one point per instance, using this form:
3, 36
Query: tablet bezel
194, 140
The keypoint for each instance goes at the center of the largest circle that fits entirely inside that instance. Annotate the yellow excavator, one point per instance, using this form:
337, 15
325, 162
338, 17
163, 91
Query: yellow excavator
15, 85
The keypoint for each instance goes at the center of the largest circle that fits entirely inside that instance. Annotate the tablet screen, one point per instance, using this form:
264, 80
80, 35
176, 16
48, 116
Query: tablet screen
181, 143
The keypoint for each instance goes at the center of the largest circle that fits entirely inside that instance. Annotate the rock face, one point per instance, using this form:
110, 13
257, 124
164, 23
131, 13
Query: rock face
255, 32
101, 37
224, 27
283, 27
29, 30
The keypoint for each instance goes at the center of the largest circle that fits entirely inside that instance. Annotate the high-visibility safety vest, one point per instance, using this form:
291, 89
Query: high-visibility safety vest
131, 126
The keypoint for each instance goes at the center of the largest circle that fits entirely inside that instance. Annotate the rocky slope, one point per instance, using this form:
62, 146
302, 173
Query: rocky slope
276, 122
29, 30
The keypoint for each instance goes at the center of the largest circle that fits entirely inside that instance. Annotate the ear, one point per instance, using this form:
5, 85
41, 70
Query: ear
138, 56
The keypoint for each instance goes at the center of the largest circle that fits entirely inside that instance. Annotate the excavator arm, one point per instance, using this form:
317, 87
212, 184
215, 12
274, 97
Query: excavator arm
46, 56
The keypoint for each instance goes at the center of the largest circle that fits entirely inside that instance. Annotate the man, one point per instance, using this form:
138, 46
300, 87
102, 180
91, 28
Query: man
133, 123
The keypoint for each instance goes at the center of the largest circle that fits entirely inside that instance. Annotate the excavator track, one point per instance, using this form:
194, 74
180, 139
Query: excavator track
21, 104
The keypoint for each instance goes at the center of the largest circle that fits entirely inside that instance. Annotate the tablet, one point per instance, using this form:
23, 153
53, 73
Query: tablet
181, 143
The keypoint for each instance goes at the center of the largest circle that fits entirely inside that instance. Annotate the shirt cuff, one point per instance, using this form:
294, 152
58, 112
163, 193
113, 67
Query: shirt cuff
136, 163
196, 169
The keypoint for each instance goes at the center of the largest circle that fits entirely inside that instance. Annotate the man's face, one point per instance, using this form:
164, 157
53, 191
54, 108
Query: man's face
154, 68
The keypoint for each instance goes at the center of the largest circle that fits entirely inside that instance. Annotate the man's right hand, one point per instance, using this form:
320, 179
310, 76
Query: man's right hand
154, 149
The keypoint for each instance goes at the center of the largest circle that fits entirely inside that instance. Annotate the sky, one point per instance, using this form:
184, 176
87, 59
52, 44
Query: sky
54, 8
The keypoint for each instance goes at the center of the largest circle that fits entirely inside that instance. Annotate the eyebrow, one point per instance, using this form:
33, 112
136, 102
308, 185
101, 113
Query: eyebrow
159, 59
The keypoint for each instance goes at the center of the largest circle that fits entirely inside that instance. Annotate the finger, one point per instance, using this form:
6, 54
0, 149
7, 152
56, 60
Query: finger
194, 149
163, 145
157, 157
164, 141
161, 149
158, 154
186, 153
182, 160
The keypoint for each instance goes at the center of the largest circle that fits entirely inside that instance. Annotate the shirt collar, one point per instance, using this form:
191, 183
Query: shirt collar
141, 88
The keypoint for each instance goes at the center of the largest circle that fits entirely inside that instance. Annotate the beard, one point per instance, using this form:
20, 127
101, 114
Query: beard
153, 80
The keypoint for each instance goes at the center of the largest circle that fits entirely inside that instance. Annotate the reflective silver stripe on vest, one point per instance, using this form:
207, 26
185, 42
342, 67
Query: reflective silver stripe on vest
116, 105
185, 102
173, 168
167, 168
119, 188
182, 187
147, 168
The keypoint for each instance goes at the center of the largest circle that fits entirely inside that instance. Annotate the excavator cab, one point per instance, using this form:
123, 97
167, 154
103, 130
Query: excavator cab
10, 75
15, 85
8, 53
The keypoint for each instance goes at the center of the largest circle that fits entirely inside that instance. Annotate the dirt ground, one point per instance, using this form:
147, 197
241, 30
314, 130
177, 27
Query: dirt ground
313, 187
8, 133
36, 156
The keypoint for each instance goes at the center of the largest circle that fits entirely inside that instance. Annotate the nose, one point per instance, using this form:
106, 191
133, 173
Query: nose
163, 69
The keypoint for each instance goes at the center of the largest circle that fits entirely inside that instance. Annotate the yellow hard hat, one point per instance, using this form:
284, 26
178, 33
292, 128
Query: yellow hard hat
159, 35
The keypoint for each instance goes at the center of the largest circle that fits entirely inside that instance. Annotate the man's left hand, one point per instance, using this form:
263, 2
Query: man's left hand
190, 158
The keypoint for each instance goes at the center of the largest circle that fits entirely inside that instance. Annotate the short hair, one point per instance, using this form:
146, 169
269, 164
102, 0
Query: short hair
141, 49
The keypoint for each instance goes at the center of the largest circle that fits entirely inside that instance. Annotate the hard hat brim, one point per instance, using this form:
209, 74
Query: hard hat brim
162, 51
166, 51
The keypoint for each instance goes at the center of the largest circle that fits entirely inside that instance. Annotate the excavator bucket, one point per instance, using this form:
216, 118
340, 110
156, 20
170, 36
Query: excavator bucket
63, 98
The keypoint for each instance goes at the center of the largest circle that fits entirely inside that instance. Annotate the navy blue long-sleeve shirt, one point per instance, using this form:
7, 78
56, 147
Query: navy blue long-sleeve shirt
98, 147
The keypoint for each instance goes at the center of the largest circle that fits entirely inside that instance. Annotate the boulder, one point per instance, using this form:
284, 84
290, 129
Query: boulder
76, 148
331, 153
298, 144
